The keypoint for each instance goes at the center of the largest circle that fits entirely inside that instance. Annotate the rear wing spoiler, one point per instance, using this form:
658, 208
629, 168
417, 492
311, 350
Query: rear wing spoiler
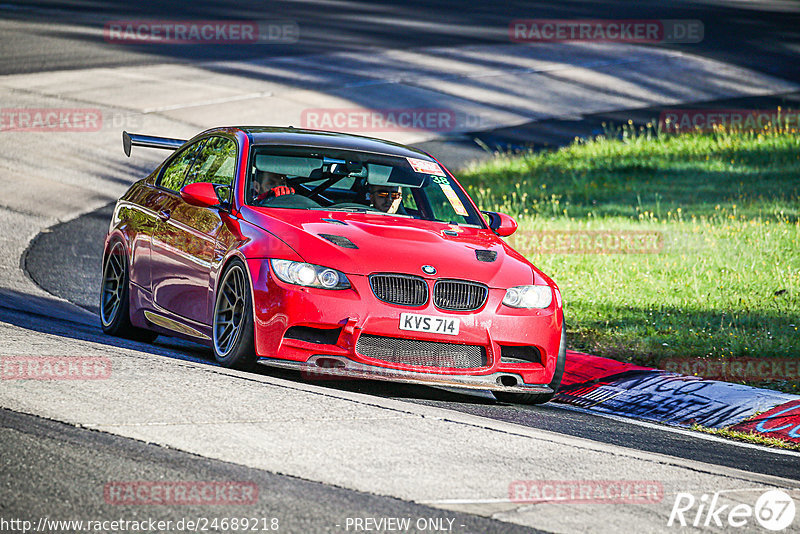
149, 141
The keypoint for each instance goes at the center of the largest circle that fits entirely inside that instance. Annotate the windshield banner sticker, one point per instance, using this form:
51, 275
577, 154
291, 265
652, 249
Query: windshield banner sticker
453, 198
425, 167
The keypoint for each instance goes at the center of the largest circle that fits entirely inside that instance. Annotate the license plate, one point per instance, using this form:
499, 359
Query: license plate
429, 323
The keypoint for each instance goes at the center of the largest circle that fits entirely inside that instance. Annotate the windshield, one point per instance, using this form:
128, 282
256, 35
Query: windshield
330, 180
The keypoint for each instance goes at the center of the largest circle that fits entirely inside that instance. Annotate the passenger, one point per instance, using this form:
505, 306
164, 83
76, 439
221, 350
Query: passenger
386, 198
270, 184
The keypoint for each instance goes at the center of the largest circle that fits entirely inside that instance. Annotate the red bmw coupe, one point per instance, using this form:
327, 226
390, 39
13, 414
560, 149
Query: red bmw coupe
334, 254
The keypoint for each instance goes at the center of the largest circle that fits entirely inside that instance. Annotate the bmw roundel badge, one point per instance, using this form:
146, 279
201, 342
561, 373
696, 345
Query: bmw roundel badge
429, 269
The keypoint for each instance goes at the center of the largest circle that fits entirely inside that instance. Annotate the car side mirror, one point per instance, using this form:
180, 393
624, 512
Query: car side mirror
500, 223
202, 194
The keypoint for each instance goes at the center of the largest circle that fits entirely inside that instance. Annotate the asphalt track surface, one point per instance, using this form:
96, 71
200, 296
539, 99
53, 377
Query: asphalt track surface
763, 34
47, 36
50, 449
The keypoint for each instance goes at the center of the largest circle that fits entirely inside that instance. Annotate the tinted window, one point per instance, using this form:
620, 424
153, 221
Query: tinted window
331, 179
215, 163
446, 203
173, 175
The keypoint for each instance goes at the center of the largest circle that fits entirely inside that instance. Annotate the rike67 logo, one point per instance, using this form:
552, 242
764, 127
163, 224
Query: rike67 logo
774, 510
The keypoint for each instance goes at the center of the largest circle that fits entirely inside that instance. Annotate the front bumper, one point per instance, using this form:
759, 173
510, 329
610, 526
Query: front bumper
356, 311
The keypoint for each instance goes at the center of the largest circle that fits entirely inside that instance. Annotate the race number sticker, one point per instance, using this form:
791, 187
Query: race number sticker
425, 167
451, 195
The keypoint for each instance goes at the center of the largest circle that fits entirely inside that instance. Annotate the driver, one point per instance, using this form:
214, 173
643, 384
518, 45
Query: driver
268, 184
386, 198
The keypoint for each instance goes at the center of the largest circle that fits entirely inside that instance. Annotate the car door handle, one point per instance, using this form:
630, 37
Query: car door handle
164, 215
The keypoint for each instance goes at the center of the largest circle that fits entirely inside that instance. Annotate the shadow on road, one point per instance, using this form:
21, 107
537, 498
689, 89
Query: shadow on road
759, 35
36, 313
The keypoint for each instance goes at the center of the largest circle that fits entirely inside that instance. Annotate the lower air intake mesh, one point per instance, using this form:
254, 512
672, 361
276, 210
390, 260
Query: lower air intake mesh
421, 353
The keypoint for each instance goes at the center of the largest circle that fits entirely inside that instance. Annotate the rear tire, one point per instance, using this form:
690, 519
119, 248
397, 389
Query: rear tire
233, 330
115, 315
541, 398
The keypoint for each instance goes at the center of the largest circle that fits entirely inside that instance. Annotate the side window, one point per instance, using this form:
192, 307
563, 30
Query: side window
215, 163
446, 204
173, 175
408, 199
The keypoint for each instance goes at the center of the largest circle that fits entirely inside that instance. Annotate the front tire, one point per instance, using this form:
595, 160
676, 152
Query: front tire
233, 332
115, 315
541, 398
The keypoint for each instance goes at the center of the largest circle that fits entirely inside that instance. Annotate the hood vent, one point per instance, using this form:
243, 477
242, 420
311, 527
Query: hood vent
486, 255
335, 221
340, 240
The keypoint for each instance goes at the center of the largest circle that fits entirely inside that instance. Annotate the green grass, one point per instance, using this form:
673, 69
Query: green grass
727, 205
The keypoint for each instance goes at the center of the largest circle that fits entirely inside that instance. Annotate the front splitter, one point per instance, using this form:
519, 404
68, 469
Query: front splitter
330, 367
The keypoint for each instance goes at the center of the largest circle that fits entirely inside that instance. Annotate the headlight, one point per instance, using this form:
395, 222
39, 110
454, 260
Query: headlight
528, 297
309, 275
